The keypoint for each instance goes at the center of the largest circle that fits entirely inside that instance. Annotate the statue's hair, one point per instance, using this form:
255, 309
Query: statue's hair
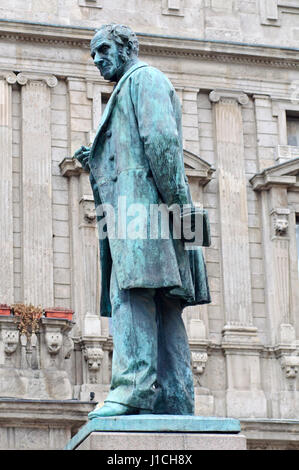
121, 34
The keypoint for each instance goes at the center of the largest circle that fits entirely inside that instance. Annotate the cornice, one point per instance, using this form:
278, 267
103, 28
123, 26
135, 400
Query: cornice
283, 174
156, 45
196, 167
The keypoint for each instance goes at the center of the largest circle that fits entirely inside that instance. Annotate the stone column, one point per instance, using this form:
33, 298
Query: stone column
241, 346
6, 204
37, 246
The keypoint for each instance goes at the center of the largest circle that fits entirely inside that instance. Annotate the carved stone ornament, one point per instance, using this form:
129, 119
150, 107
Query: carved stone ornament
89, 212
199, 361
94, 357
280, 226
10, 340
53, 341
280, 221
290, 364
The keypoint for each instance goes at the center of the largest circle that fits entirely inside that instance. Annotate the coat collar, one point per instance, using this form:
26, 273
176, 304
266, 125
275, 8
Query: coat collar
112, 100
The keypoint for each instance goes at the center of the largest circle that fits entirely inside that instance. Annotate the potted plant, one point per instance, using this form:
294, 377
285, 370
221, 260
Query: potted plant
28, 318
5, 310
59, 312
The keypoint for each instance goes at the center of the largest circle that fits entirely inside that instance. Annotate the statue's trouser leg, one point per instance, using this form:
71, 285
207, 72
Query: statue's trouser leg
134, 364
174, 362
150, 348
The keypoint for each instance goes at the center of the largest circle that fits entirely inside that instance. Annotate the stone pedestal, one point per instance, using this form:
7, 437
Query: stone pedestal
159, 432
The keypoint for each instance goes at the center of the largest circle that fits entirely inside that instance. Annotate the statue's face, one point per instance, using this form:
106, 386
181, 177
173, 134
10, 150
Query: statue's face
106, 57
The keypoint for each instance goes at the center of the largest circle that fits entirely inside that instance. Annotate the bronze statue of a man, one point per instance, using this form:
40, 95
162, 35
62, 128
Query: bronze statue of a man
147, 279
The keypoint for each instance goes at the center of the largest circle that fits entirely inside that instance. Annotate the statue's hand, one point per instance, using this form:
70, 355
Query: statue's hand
83, 155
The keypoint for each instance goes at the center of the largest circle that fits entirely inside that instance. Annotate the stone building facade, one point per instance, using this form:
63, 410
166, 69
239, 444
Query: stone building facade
235, 66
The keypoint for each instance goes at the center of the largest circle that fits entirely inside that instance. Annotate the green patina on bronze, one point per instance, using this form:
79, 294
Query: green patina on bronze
137, 153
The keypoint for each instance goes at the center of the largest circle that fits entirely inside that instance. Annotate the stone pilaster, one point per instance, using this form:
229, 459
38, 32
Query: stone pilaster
199, 174
84, 245
278, 234
72, 169
198, 340
240, 343
37, 188
6, 200
273, 184
233, 205
90, 253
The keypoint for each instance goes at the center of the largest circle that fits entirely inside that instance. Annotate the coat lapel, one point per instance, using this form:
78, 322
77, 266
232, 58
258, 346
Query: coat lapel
111, 103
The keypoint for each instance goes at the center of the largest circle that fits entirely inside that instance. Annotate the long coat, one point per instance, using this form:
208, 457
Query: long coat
137, 156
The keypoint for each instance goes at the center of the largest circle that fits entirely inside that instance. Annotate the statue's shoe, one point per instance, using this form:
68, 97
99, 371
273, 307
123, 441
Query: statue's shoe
115, 409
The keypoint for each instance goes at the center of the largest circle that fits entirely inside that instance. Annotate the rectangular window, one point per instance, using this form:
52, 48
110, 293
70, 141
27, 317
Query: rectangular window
293, 130
105, 99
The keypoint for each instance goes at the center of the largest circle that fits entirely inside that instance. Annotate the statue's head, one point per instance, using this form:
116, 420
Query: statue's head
113, 47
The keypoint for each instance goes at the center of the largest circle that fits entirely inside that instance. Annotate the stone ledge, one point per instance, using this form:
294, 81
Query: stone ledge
271, 434
270, 431
154, 430
40, 424
55, 410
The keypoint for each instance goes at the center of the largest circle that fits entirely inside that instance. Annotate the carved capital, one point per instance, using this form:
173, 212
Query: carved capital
228, 96
23, 78
9, 76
